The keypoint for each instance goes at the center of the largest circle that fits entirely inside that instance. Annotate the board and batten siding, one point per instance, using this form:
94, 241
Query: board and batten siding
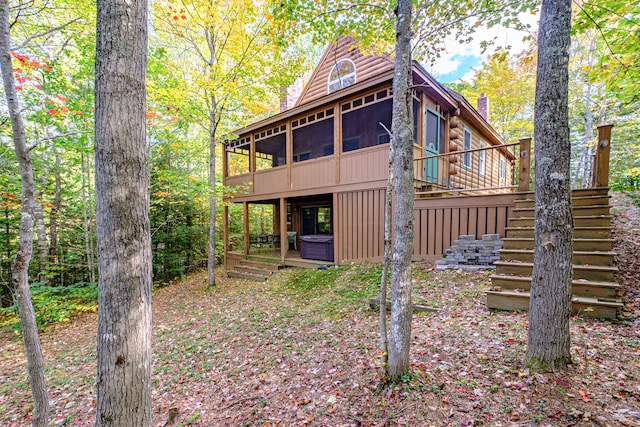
359, 227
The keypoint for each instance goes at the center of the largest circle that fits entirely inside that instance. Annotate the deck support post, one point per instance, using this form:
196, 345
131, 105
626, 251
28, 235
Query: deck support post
284, 237
225, 232
245, 218
601, 157
525, 164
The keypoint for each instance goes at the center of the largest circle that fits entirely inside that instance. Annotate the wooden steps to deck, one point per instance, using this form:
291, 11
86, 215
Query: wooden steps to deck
253, 270
594, 288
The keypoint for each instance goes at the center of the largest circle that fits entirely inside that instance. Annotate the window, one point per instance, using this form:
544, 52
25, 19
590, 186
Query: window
361, 127
343, 74
316, 220
313, 140
482, 160
238, 157
271, 148
503, 169
466, 157
434, 131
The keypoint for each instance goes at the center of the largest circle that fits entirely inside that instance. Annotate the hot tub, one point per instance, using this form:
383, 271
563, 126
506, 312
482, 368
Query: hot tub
317, 246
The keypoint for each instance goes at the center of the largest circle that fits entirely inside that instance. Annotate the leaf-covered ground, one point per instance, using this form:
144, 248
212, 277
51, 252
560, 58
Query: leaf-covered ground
301, 350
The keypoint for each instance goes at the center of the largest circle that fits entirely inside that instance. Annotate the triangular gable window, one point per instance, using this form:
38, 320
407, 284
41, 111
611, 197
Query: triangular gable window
343, 74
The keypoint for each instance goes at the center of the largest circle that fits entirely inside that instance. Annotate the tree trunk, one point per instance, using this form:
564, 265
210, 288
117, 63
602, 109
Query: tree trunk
402, 130
20, 267
86, 223
384, 280
211, 261
53, 216
41, 233
122, 216
548, 343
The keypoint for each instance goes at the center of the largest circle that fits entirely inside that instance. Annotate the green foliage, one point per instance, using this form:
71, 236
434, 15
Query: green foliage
617, 22
53, 304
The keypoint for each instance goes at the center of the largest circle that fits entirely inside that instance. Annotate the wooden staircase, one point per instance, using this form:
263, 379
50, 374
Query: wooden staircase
594, 287
253, 270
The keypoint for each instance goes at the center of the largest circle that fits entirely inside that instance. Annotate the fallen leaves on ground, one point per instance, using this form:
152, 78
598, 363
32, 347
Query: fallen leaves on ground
302, 350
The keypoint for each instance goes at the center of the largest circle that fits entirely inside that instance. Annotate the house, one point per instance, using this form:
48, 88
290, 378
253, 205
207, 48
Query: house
311, 184
320, 168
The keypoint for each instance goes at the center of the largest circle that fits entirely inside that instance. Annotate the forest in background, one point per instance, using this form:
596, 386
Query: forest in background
54, 49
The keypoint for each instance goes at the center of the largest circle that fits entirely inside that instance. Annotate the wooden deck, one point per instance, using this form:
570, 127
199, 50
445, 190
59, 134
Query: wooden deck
293, 259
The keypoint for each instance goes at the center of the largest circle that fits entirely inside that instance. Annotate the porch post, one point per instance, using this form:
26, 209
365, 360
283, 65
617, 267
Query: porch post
284, 238
525, 164
225, 232
601, 159
245, 212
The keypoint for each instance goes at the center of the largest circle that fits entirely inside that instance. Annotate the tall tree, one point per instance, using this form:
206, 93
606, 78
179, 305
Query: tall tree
548, 343
233, 62
402, 130
20, 267
122, 215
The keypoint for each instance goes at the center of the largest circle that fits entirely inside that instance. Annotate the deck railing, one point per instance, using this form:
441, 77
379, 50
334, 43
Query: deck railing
495, 169
488, 169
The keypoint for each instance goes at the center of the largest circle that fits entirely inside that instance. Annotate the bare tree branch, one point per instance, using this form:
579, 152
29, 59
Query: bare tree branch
49, 138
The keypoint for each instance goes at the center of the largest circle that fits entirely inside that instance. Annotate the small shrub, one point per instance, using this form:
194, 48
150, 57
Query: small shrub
54, 304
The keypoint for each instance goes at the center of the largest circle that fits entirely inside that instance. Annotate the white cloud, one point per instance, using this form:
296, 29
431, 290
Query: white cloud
461, 58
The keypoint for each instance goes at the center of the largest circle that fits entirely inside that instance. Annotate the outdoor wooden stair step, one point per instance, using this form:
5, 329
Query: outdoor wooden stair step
604, 245
580, 272
578, 221
598, 200
588, 307
581, 288
260, 265
247, 276
252, 270
579, 257
578, 211
578, 232
578, 192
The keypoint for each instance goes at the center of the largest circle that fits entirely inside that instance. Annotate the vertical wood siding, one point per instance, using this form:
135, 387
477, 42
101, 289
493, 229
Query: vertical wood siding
438, 223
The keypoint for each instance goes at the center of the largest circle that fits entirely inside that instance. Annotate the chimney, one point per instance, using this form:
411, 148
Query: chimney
483, 106
289, 95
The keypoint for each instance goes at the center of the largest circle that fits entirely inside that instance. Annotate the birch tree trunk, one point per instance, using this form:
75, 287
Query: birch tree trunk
122, 216
211, 261
20, 267
53, 217
548, 343
41, 233
402, 130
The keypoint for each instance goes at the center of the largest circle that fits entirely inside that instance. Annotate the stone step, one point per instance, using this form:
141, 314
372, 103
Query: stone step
578, 232
581, 288
579, 257
587, 307
580, 272
580, 221
597, 200
239, 275
604, 245
578, 211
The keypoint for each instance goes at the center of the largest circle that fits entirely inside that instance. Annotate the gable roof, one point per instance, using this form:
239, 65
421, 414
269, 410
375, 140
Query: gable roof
367, 66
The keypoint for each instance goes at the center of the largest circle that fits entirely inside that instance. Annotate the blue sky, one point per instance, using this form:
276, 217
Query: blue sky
459, 61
